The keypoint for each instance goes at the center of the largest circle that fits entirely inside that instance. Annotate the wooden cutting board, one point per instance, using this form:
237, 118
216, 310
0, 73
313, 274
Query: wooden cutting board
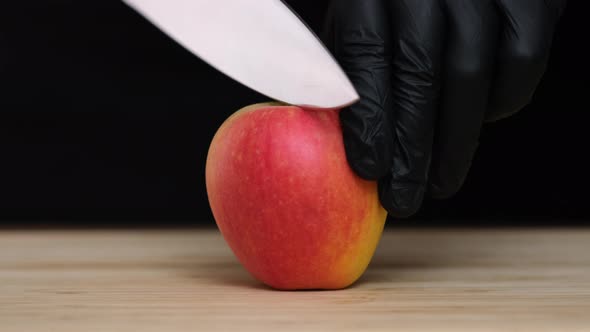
188, 280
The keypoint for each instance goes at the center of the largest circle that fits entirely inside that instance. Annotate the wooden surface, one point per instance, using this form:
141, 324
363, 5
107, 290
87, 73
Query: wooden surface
419, 280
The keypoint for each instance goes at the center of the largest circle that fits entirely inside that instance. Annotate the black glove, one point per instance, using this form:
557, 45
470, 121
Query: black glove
430, 73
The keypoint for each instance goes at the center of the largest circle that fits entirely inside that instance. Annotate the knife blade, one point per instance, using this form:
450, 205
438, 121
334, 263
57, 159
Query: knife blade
261, 44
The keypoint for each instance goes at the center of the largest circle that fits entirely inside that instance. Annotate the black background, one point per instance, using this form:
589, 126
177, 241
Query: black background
105, 121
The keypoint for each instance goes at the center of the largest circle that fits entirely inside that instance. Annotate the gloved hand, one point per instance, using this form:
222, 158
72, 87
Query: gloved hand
430, 73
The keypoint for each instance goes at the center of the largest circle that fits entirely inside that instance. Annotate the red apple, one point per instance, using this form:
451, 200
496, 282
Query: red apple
286, 201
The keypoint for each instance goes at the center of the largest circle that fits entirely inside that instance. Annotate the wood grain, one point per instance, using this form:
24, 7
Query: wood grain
419, 280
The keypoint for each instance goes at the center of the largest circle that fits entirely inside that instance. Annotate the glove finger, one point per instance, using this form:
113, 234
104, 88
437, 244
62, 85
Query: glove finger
526, 39
418, 32
469, 60
357, 33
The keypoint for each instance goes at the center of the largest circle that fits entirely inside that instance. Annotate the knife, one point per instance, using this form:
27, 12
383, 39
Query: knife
262, 44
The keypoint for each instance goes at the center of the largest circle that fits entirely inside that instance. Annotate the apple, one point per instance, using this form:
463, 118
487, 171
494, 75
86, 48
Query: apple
287, 202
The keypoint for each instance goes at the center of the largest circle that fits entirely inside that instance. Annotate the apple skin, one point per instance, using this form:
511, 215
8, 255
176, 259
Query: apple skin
286, 201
